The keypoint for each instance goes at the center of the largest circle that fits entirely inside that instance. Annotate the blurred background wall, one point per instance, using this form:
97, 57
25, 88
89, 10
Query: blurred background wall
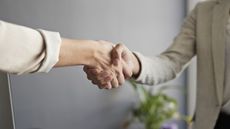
64, 98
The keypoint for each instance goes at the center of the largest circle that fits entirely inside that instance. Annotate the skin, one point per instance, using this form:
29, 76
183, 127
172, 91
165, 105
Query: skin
96, 57
124, 60
84, 52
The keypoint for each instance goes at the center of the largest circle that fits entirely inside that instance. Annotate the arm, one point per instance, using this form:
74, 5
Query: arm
170, 63
84, 52
158, 69
25, 50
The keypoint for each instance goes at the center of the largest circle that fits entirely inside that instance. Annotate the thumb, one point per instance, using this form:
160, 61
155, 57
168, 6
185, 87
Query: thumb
127, 69
117, 53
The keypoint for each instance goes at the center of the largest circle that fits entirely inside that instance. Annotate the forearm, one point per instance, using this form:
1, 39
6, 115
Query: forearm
75, 52
158, 69
49, 50
84, 52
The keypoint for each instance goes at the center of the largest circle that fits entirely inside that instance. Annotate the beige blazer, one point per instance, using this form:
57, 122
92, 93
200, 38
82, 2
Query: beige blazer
203, 34
26, 50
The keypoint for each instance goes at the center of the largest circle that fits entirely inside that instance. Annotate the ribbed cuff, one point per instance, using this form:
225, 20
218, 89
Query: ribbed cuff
142, 73
52, 42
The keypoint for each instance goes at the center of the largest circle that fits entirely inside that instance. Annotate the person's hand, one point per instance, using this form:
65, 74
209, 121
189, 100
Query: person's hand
102, 65
124, 65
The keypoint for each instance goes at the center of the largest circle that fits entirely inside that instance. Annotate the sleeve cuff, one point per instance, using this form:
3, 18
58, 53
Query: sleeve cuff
142, 73
52, 42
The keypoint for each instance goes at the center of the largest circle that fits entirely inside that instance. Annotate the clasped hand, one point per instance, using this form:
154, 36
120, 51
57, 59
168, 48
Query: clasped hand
112, 66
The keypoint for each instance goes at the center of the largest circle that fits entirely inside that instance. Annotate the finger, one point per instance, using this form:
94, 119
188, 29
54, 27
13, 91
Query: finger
90, 76
86, 69
115, 61
90, 72
95, 71
95, 83
104, 78
115, 83
127, 71
119, 73
97, 75
117, 51
89, 68
93, 78
107, 86
93, 75
100, 80
120, 78
99, 84
104, 85
105, 75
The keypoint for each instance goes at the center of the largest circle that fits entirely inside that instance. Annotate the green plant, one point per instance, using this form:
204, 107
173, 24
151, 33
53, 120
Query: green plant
153, 109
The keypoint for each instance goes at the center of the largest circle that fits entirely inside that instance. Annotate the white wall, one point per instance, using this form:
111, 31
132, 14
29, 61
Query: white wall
64, 99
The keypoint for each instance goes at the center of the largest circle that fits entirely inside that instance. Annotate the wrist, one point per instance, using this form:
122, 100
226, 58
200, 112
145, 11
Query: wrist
75, 52
89, 49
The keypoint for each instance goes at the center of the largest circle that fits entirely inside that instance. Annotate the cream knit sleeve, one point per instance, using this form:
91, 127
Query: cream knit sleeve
25, 50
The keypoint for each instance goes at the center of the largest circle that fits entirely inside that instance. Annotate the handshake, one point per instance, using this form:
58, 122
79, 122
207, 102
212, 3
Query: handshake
109, 65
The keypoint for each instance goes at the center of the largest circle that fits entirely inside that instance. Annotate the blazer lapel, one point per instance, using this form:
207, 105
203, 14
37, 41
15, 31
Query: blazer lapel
220, 15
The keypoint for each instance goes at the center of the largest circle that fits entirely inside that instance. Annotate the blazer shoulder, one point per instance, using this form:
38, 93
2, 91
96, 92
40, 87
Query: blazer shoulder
208, 2
206, 5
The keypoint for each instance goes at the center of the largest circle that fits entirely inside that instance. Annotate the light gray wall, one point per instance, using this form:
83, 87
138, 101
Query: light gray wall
63, 98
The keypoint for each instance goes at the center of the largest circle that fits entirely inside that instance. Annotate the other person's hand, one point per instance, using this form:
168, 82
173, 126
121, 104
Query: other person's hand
124, 66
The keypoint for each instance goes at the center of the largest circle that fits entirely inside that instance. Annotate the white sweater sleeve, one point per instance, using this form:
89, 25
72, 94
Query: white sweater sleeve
25, 50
